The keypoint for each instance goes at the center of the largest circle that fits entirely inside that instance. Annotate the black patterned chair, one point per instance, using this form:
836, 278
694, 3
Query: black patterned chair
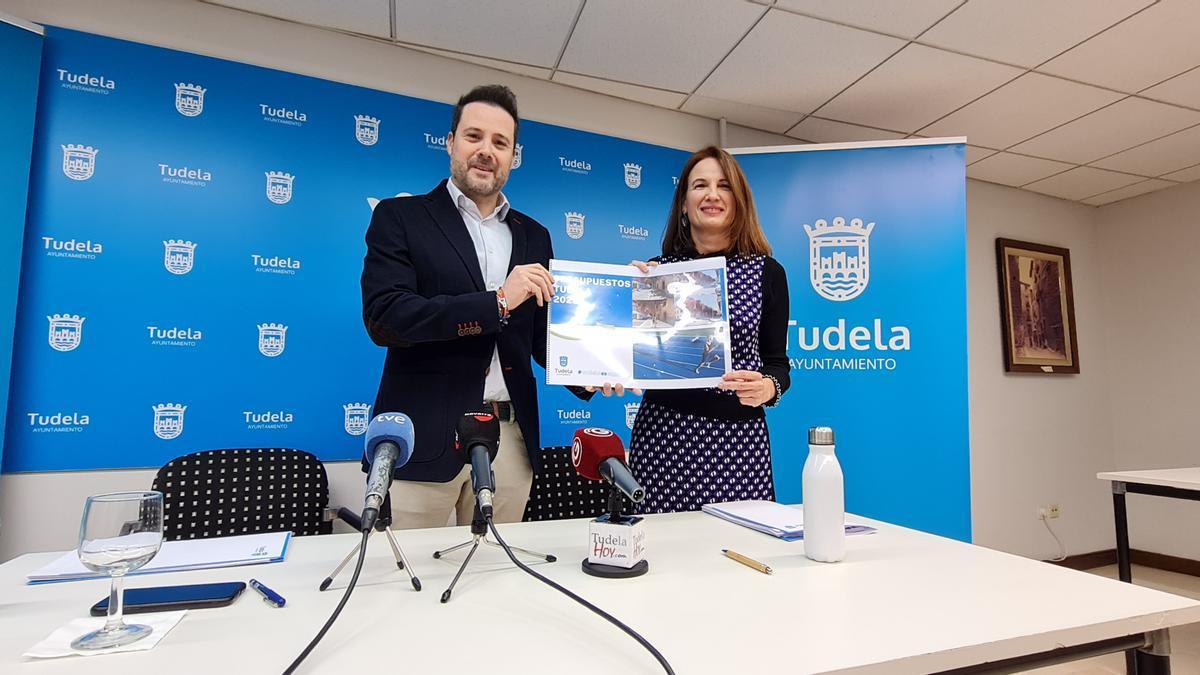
559, 492
217, 493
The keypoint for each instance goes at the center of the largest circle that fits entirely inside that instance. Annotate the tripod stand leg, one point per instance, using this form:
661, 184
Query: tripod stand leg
461, 568
345, 561
533, 554
401, 561
439, 554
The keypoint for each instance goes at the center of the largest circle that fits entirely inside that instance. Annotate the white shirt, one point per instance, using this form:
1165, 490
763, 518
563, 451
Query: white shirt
493, 247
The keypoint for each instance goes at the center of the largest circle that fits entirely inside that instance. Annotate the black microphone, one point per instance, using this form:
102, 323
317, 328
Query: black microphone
476, 441
598, 454
389, 445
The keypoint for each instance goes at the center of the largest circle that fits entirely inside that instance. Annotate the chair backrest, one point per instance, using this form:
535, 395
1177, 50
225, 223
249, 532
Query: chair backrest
218, 493
559, 492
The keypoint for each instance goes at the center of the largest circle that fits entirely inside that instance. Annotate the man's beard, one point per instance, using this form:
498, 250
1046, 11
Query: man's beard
473, 186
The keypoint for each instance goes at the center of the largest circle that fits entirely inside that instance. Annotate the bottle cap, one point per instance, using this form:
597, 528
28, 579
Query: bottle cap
820, 436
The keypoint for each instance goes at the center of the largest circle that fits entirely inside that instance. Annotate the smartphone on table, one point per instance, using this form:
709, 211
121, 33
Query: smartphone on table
171, 598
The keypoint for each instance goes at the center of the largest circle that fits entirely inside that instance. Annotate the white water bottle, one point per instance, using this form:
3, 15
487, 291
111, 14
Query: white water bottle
824, 499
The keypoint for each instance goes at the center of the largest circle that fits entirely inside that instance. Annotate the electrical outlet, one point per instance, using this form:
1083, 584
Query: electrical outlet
1049, 512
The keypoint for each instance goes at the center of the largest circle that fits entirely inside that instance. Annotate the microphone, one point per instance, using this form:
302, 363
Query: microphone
477, 439
598, 454
389, 446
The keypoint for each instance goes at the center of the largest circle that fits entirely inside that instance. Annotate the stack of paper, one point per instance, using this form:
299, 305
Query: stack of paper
773, 518
179, 556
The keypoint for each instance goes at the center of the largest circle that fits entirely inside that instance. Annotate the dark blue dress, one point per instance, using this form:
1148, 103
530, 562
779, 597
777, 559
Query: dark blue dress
699, 446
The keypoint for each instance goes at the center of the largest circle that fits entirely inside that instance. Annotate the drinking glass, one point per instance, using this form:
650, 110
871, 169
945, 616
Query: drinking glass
119, 533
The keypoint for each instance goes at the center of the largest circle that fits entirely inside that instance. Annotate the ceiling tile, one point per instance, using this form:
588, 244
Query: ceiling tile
820, 130
1157, 44
915, 87
506, 66
1015, 170
738, 136
1185, 176
1082, 182
1170, 153
906, 19
1021, 109
767, 119
1122, 125
1182, 90
976, 153
1026, 32
522, 31
790, 62
368, 17
632, 92
1134, 190
668, 44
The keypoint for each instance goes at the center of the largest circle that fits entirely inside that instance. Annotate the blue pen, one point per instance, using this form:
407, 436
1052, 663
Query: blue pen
269, 596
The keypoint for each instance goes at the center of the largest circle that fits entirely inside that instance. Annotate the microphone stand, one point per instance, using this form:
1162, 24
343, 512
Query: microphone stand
382, 525
479, 536
615, 501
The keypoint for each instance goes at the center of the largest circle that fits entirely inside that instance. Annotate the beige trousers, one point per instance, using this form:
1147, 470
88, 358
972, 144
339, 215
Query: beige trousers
425, 504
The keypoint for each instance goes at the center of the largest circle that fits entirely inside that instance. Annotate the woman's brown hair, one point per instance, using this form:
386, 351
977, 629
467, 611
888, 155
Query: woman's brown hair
745, 233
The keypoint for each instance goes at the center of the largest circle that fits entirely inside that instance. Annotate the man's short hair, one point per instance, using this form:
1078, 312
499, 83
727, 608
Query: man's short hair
495, 94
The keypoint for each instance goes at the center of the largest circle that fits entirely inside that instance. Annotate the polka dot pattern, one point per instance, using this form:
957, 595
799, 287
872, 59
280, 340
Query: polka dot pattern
685, 461
221, 493
559, 492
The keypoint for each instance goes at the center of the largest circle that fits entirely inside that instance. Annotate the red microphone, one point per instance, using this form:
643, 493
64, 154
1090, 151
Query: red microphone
598, 454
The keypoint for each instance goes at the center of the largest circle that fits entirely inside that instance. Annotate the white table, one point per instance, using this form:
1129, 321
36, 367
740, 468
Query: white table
1176, 483
901, 602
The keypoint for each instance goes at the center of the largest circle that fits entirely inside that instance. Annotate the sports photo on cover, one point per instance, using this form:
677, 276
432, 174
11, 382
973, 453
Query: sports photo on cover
667, 329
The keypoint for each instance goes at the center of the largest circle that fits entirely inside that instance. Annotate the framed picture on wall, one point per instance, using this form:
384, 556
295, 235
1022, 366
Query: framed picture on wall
1037, 308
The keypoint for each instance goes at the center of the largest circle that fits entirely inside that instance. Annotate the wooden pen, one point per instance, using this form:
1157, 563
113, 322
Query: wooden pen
748, 562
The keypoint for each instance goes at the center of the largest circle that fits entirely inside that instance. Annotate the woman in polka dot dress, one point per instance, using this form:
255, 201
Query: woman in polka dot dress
692, 447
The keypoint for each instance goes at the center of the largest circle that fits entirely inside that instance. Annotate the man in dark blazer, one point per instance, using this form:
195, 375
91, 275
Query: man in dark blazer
455, 285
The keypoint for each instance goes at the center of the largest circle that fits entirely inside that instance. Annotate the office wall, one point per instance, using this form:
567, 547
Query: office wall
1034, 440
1149, 247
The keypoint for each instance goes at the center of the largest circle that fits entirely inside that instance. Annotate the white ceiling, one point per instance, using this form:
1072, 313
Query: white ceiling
1088, 100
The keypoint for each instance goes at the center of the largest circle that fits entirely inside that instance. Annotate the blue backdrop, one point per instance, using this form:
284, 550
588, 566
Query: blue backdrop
20, 62
874, 243
195, 238
195, 241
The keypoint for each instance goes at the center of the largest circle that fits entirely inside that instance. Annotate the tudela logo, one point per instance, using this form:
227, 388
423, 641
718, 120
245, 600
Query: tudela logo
520, 149
633, 176
189, 99
59, 422
574, 221
72, 248
435, 142
272, 339
574, 417
79, 161
633, 232
178, 256
168, 420
267, 419
366, 129
839, 260
174, 336
275, 265
184, 175
279, 187
356, 416
66, 331
93, 84
281, 115
574, 165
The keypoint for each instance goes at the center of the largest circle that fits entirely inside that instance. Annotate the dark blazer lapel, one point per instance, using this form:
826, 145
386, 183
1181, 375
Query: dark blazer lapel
516, 225
445, 214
